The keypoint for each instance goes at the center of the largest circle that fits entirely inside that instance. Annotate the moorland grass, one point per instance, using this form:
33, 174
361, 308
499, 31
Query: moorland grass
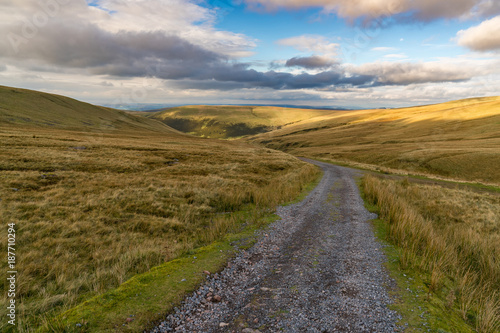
229, 122
458, 140
93, 210
452, 238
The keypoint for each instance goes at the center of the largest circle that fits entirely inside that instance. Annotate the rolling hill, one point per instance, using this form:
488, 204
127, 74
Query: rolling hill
227, 122
459, 139
98, 196
28, 108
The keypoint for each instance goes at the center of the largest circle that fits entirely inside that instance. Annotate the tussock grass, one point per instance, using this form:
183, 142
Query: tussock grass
451, 235
93, 211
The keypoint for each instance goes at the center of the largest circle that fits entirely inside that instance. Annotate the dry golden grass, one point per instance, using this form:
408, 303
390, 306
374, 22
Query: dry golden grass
452, 235
92, 210
456, 140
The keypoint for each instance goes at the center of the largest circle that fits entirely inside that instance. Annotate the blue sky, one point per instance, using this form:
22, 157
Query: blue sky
336, 53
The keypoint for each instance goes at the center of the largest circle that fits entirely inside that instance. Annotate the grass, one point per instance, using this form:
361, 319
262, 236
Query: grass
33, 109
447, 240
458, 140
228, 122
92, 211
145, 298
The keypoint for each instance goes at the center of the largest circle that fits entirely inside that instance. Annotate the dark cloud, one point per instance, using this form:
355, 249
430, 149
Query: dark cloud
86, 47
313, 62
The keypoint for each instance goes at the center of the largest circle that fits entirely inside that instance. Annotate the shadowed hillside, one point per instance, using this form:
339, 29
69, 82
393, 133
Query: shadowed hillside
27, 108
459, 139
226, 122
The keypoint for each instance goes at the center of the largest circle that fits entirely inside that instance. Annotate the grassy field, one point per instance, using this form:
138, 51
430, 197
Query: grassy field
450, 240
456, 140
227, 122
95, 206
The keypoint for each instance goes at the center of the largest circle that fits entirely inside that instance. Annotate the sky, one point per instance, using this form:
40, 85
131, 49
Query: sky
321, 53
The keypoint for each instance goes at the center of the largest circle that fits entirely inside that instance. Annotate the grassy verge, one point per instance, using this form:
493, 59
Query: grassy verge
443, 253
94, 210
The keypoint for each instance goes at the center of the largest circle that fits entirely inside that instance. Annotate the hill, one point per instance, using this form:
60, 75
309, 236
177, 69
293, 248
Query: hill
459, 139
226, 122
28, 108
98, 196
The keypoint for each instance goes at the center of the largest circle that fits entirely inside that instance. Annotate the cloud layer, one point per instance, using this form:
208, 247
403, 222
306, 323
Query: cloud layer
175, 43
419, 9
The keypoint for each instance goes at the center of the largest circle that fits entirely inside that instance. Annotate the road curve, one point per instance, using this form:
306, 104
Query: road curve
318, 269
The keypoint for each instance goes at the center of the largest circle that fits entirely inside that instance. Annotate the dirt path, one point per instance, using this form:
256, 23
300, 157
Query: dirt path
319, 269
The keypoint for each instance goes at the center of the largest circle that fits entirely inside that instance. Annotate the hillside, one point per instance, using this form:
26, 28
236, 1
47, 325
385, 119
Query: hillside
98, 196
27, 108
226, 122
459, 139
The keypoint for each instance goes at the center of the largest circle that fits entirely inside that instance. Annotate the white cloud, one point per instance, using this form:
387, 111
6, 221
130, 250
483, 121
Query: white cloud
312, 43
483, 37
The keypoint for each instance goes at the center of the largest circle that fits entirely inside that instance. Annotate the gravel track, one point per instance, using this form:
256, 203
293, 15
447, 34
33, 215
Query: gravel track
318, 269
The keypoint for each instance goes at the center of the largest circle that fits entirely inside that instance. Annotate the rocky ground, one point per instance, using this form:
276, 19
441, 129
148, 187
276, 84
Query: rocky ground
319, 269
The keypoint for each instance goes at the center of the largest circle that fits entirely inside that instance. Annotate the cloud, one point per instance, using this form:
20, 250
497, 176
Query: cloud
418, 9
399, 73
313, 62
483, 37
311, 43
92, 43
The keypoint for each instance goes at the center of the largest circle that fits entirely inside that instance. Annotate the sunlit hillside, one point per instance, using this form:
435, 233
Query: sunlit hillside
459, 139
232, 121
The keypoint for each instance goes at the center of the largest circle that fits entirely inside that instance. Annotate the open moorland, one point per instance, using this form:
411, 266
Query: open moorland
458, 140
99, 196
104, 200
446, 238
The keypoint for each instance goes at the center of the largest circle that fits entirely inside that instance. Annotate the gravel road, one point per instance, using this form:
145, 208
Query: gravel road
318, 269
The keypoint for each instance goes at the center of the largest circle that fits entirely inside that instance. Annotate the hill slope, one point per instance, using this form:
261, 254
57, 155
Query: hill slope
459, 139
98, 196
21, 107
225, 122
